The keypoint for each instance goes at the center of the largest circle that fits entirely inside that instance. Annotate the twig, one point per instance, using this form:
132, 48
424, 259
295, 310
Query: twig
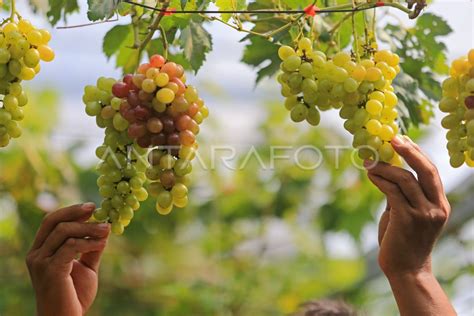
88, 24
356, 36
214, 18
154, 27
13, 10
333, 9
164, 39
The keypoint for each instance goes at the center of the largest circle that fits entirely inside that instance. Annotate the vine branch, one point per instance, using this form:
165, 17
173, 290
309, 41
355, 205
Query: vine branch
153, 27
333, 9
164, 39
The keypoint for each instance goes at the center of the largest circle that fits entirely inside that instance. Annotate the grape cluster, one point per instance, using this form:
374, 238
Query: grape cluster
163, 113
458, 103
311, 82
122, 177
22, 47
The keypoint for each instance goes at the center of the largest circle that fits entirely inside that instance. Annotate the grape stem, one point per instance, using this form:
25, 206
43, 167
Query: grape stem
153, 27
355, 34
13, 10
165, 42
237, 28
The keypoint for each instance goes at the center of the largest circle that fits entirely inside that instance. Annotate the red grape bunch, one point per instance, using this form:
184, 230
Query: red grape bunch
163, 113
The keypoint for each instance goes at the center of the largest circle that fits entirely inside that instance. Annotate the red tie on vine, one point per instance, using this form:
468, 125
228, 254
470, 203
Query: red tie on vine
169, 11
311, 10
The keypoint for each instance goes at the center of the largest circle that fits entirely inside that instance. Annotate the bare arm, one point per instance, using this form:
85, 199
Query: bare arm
417, 210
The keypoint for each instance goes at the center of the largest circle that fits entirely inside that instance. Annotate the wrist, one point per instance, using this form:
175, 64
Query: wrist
418, 276
406, 270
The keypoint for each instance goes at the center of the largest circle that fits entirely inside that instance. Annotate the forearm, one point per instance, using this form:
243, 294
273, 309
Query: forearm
420, 294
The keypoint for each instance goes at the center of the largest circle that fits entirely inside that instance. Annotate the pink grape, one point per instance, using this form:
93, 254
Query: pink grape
173, 139
142, 113
183, 122
120, 89
154, 125
469, 102
137, 130
158, 139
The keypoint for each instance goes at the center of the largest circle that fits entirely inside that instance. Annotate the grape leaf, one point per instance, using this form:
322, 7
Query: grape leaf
410, 101
433, 25
226, 5
296, 4
259, 51
114, 39
195, 42
101, 9
60, 8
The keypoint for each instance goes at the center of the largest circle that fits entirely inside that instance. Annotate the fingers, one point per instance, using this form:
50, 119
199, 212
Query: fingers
384, 220
73, 246
65, 230
404, 179
393, 193
92, 259
80, 212
428, 176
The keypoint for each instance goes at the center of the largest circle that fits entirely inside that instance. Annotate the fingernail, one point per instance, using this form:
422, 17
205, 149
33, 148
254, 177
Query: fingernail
103, 226
397, 141
88, 206
408, 139
368, 163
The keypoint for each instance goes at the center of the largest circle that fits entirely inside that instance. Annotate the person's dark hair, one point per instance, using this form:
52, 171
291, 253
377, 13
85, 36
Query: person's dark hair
326, 308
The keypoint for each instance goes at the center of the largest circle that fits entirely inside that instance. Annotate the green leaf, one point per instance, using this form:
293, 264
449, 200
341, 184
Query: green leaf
195, 42
259, 51
115, 38
412, 107
228, 5
433, 25
60, 8
101, 9
296, 4
126, 57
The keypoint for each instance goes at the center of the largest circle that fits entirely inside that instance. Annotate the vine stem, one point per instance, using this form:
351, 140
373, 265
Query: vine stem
237, 28
331, 9
153, 28
13, 10
356, 36
165, 42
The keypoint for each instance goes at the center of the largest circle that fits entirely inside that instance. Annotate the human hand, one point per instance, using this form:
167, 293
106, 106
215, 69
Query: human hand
63, 284
417, 210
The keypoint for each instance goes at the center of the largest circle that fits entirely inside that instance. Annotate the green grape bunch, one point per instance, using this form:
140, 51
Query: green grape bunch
362, 92
22, 47
122, 178
458, 104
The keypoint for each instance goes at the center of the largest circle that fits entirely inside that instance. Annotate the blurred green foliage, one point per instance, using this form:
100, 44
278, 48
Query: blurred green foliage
253, 242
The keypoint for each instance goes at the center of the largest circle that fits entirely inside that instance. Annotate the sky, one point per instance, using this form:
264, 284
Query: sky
227, 85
